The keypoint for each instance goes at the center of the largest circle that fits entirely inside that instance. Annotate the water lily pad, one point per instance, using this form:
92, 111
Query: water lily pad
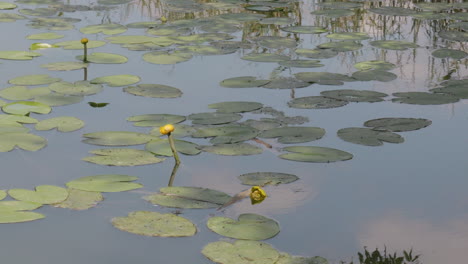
26, 141
301, 63
3, 193
34, 79
449, 53
241, 252
22, 92
316, 102
168, 30
162, 147
105, 183
374, 75
285, 83
18, 205
117, 138
45, 36
12, 127
53, 23
9, 17
131, 39
355, 95
454, 35
305, 29
315, 154
288, 259
460, 91
324, 78
333, 13
107, 29
188, 197
122, 157
316, 53
180, 130
40, 11
235, 107
262, 178
243, 82
393, 11
155, 224
368, 137
226, 27
38, 46
12, 216
26, 107
214, 118
237, 149
77, 45
117, 80
226, 134
264, 124
280, 21
242, 17
397, 124
104, 58
154, 90
80, 200
113, 2
289, 135
65, 66
265, 57
164, 57
273, 42
156, 120
145, 24
18, 55
55, 99
6, 6
393, 44
341, 46
44, 194
248, 226
348, 36
374, 65
18, 119
421, 98
62, 123
77, 88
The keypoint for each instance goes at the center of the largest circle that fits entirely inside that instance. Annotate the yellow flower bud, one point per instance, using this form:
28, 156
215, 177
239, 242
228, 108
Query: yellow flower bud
84, 41
257, 195
166, 129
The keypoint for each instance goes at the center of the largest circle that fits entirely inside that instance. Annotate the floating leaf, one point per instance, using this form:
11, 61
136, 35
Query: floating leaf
76, 88
393, 44
8, 17
105, 183
237, 149
368, 137
305, 29
26, 107
374, 75
65, 66
301, 63
156, 120
34, 79
289, 135
316, 102
117, 138
45, 36
421, 98
188, 197
18, 55
25, 141
393, 11
265, 57
333, 13
374, 65
62, 123
285, 83
37, 46
6, 6
460, 91
80, 200
226, 134
241, 252
104, 58
18, 119
117, 80
449, 53
12, 127
324, 78
107, 29
77, 45
180, 130
398, 124
154, 90
214, 118
243, 82
355, 95
44, 194
8, 216
235, 107
248, 226
348, 36
97, 105
163, 57
41, 11
122, 157
155, 224
341, 46
280, 21
18, 205
242, 17
316, 53
315, 154
162, 147
288, 259
55, 99
273, 42
3, 193
22, 92
454, 35
263, 178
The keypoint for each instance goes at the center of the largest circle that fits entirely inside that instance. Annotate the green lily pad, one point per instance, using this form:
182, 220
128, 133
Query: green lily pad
154, 90
334, 13
374, 75
11, 216
26, 107
437, 7
374, 65
214, 118
145, 24
164, 57
188, 197
368, 137
241, 252
80, 200
324, 78
53, 23
131, 39
156, 120
18, 119
117, 80
107, 29
117, 138
316, 102
393, 44
289, 135
6, 6
288, 259
397, 124
355, 95
429, 15
393, 11
62, 123
34, 79
18, 55
273, 42
3, 193
243, 82
315, 154
12, 127
341, 46
348, 36
155, 224
105, 183
235, 107
180, 130
301, 63
421, 98
242, 17
162, 147
45, 36
263, 178
77, 45
286, 83
18, 205
237, 149
26, 141
206, 50
317, 53
248, 226
40, 11
263, 125
65, 66
38, 46
122, 157
44, 194
449, 53
113, 2
168, 30
104, 58
280, 21
9, 17
226, 134
454, 35
265, 57
460, 91
22, 92
304, 29
55, 99
77, 88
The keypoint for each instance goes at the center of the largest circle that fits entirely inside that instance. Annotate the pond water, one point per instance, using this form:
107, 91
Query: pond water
402, 196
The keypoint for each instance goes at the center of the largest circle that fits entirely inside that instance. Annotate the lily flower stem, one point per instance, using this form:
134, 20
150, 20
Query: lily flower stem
85, 55
174, 151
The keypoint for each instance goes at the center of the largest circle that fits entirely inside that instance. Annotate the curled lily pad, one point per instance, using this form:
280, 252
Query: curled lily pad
393, 44
80, 200
188, 197
164, 57
265, 57
105, 58
449, 53
62, 123
156, 119
65, 66
34, 79
18, 55
368, 137
348, 36
263, 178
248, 226
237, 149
117, 138
421, 98
26, 141
154, 90
316, 102
355, 95
394, 124
235, 107
105, 183
243, 82
26, 107
77, 88
122, 157
77, 45
226, 134
107, 29
38, 46
22, 92
304, 29
289, 135
241, 252
155, 224
214, 118
374, 75
315, 154
44, 194
374, 65
162, 147
55, 99
117, 80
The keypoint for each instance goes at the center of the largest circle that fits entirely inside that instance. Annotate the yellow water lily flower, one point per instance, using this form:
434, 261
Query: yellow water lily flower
164, 130
84, 41
257, 195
